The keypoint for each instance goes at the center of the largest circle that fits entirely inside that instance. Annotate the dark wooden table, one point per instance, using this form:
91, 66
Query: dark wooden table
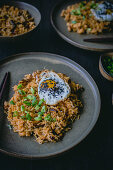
96, 150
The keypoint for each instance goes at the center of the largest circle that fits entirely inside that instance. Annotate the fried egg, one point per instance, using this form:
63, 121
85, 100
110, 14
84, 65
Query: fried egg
52, 88
103, 12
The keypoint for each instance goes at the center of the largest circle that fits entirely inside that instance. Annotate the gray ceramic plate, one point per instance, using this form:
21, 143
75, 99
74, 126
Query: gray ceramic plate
21, 64
73, 38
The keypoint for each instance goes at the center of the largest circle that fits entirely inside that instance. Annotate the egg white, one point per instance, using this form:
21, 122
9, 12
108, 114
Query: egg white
100, 12
53, 96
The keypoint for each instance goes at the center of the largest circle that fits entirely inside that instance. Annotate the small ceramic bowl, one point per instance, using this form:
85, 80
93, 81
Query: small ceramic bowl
34, 12
102, 68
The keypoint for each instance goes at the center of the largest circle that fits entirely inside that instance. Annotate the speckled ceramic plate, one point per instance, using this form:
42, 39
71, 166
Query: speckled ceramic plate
73, 38
26, 147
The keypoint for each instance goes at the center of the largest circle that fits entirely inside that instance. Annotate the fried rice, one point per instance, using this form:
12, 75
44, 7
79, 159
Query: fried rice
15, 21
23, 112
80, 19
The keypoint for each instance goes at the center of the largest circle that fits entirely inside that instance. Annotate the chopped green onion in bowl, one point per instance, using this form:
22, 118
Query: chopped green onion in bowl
108, 64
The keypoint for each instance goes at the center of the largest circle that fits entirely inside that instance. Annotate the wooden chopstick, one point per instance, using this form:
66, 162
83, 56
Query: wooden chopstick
103, 39
3, 85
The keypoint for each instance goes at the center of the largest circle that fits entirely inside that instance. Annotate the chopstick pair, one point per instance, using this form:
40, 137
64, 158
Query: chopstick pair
3, 85
99, 40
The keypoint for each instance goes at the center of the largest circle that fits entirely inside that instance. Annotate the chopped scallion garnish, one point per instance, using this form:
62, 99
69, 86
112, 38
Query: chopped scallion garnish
74, 22
30, 97
34, 102
28, 116
43, 109
37, 107
22, 108
88, 29
15, 114
22, 117
39, 118
54, 119
19, 86
48, 118
22, 92
84, 17
27, 103
12, 102
32, 90
40, 113
40, 102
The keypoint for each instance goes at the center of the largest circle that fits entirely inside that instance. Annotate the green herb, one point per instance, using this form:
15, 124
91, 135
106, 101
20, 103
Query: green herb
43, 109
40, 102
48, 118
94, 5
108, 64
34, 102
88, 29
37, 107
39, 118
15, 114
22, 92
12, 102
19, 86
22, 108
84, 17
22, 117
26, 111
74, 22
73, 11
30, 97
40, 113
32, 90
82, 4
25, 98
76, 12
27, 103
54, 119
28, 116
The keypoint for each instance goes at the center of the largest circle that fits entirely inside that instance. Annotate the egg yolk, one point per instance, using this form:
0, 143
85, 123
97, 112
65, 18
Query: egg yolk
48, 84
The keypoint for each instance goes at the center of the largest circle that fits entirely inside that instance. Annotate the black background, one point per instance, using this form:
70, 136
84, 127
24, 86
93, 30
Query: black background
96, 150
